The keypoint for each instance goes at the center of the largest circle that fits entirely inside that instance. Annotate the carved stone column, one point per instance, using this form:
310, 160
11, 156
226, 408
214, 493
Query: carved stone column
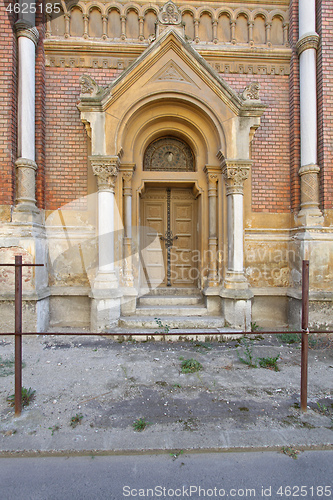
25, 203
307, 45
105, 294
235, 172
212, 178
127, 171
106, 170
236, 294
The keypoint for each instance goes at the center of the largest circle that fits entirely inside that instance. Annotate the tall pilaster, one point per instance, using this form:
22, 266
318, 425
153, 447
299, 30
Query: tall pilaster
25, 202
127, 174
307, 45
213, 174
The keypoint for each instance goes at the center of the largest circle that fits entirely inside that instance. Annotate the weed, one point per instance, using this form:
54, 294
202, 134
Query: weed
202, 345
54, 429
76, 420
140, 424
321, 408
248, 358
254, 327
191, 366
28, 395
6, 367
177, 386
163, 328
270, 363
290, 451
176, 454
290, 338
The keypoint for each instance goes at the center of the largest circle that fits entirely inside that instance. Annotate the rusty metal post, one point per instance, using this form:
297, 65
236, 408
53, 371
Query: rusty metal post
305, 335
18, 335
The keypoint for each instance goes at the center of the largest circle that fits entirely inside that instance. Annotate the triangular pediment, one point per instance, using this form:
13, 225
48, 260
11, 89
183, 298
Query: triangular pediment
170, 59
171, 72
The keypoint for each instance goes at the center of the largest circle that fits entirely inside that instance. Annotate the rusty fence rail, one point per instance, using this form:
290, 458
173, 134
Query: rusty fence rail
18, 333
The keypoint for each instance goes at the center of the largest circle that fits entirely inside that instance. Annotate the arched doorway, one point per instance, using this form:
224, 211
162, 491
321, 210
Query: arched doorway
169, 213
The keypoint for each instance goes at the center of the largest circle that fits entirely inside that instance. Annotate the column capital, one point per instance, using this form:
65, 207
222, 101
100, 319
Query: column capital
307, 41
24, 28
127, 171
212, 172
106, 169
235, 172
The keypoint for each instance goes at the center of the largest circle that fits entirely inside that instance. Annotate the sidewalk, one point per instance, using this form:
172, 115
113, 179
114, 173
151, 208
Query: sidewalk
226, 405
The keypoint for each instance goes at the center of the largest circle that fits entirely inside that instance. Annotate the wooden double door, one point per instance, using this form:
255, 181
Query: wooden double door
169, 253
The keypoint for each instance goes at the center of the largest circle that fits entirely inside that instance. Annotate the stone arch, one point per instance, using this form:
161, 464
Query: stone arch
170, 114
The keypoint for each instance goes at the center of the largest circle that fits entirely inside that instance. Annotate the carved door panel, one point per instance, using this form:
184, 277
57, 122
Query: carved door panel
153, 253
169, 239
184, 268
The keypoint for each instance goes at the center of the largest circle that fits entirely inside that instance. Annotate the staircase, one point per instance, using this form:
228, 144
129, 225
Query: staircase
178, 308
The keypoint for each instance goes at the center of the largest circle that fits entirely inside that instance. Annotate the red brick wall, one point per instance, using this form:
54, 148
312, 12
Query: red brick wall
66, 139
325, 101
270, 146
8, 106
40, 112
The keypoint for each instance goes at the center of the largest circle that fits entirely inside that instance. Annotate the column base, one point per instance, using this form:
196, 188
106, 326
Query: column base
105, 309
235, 281
27, 212
310, 217
237, 308
105, 281
128, 301
213, 300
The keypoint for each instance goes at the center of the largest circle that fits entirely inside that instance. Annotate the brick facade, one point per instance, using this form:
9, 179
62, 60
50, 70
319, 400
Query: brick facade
325, 101
66, 138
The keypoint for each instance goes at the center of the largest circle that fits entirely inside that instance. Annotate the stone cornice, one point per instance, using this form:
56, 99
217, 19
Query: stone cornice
307, 41
112, 55
24, 28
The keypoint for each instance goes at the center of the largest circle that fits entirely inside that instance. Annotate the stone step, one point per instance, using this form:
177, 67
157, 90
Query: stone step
170, 300
177, 322
166, 310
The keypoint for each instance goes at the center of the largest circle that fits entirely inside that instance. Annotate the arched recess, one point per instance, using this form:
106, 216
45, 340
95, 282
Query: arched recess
162, 116
170, 113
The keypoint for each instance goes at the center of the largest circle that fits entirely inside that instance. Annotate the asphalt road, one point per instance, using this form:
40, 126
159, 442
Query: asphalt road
196, 476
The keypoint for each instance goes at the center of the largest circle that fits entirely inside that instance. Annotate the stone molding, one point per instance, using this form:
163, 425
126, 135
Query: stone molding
24, 28
105, 55
106, 169
307, 41
312, 168
235, 172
